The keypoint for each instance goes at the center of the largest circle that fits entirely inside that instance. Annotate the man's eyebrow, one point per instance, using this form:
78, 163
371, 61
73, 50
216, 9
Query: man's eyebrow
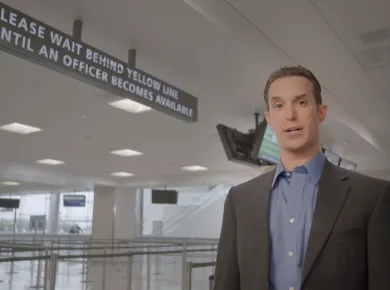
300, 96
278, 98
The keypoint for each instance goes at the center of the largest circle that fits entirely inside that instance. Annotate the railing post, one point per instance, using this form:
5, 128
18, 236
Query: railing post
148, 266
39, 273
85, 266
46, 270
211, 282
12, 272
188, 276
53, 271
183, 269
129, 272
39, 269
104, 269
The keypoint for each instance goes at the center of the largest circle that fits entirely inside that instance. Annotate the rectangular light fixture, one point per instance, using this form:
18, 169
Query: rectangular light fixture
50, 162
126, 152
122, 174
20, 128
10, 183
130, 106
194, 168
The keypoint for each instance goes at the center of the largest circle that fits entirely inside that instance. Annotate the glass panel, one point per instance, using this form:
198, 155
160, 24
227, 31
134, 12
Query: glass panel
30, 205
76, 219
197, 214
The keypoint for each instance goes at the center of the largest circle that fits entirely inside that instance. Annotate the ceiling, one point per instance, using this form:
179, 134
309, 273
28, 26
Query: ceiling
219, 51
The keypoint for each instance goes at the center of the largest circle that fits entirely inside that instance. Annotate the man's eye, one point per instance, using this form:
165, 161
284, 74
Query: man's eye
277, 105
302, 102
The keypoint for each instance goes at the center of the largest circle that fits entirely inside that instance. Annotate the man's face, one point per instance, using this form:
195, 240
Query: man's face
293, 113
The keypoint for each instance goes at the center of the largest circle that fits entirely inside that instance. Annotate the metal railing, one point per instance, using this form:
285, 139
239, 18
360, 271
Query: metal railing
190, 266
211, 281
155, 265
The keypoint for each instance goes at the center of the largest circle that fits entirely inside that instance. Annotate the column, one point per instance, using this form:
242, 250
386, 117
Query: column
102, 231
103, 213
54, 212
125, 213
125, 230
114, 218
114, 213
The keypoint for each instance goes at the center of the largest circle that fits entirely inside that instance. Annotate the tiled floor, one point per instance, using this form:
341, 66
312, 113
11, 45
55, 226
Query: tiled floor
69, 276
25, 276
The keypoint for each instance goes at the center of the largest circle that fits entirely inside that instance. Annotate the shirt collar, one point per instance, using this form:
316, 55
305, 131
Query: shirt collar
314, 168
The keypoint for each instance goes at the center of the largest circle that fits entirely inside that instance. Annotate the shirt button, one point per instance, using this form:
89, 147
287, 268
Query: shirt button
288, 174
292, 220
290, 254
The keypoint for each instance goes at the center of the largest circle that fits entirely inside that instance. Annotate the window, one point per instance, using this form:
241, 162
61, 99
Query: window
30, 205
197, 208
81, 216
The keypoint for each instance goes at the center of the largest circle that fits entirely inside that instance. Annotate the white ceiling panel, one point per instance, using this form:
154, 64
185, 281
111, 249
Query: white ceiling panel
220, 52
353, 19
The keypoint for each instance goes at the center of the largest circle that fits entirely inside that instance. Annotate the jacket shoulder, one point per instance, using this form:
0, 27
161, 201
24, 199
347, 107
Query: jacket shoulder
360, 178
363, 184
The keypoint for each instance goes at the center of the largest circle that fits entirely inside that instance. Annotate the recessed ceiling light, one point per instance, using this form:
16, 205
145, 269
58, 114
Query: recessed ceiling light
130, 106
126, 152
194, 168
50, 162
10, 183
122, 174
20, 128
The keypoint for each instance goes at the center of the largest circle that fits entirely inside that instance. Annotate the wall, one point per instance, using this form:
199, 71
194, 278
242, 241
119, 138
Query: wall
206, 223
157, 212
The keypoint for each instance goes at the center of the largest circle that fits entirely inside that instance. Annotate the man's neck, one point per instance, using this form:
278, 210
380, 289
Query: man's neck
290, 159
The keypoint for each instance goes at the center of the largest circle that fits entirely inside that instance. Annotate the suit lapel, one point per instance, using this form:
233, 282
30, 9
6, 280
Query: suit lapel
333, 190
260, 243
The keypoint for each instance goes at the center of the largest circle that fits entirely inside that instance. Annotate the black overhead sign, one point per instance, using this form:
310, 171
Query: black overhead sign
31, 39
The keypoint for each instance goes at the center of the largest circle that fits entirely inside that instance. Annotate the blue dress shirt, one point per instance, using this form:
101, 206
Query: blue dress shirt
292, 204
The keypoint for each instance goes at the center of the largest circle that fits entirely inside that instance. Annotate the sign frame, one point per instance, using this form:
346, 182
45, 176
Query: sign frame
71, 200
38, 222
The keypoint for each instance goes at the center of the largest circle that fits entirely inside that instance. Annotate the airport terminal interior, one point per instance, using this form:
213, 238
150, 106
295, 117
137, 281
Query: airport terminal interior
125, 123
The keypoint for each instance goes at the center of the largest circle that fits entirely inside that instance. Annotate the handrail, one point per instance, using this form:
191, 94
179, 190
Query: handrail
130, 254
28, 248
183, 240
139, 239
204, 264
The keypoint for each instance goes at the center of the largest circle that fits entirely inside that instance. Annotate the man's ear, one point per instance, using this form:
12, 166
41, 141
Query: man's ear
322, 112
266, 116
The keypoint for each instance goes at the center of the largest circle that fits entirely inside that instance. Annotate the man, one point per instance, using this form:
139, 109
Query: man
308, 224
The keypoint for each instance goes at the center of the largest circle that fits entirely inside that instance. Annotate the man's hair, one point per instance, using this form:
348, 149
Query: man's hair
292, 71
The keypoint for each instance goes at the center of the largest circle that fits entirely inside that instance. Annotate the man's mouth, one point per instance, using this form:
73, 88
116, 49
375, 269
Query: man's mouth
293, 129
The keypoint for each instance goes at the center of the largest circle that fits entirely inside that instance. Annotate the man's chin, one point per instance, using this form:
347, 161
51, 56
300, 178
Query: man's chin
295, 147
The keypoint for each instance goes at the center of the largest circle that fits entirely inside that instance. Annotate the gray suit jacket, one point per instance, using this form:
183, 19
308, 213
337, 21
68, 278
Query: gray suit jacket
349, 243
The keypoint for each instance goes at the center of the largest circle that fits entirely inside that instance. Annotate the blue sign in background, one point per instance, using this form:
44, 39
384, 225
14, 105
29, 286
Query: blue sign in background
74, 200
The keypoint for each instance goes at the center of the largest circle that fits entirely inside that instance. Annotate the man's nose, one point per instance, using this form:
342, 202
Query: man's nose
291, 112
